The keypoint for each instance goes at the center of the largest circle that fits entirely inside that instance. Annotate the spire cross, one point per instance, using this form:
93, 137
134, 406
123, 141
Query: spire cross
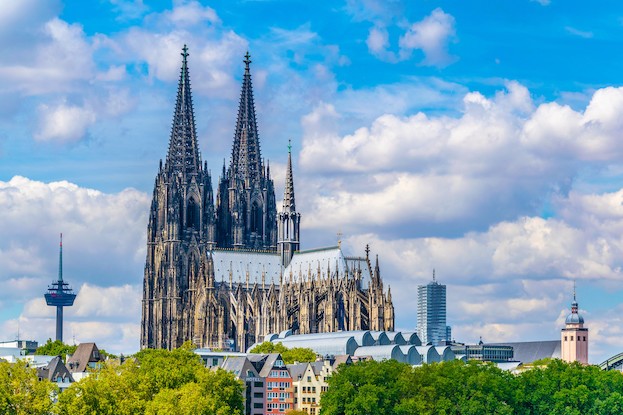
184, 63
573, 290
289, 145
247, 60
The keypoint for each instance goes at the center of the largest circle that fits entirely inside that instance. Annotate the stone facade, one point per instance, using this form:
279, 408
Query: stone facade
226, 274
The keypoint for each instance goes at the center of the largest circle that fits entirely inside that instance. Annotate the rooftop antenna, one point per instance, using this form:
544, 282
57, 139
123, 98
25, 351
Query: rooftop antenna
433, 274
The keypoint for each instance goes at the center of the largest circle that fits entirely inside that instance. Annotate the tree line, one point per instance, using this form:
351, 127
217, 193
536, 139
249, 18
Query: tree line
176, 382
458, 388
152, 382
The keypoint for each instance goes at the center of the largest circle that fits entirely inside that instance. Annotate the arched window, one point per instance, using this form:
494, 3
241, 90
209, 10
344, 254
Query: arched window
192, 214
256, 218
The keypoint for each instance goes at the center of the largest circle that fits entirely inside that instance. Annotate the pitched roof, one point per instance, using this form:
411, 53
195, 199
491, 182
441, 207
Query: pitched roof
55, 369
85, 353
297, 370
270, 362
239, 366
341, 359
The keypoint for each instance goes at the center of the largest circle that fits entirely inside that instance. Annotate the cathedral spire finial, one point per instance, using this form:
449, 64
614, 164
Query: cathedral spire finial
574, 300
247, 61
184, 55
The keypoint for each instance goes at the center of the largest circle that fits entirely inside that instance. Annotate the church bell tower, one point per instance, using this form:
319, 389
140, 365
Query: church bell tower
574, 337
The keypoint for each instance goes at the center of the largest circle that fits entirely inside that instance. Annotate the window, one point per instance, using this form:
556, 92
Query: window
192, 214
571, 338
258, 405
215, 361
584, 338
258, 384
309, 378
565, 338
256, 218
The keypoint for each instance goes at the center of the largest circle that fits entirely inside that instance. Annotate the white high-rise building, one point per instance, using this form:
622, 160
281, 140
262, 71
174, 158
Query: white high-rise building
431, 313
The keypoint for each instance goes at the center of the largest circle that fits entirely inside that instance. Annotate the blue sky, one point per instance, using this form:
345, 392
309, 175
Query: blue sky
478, 138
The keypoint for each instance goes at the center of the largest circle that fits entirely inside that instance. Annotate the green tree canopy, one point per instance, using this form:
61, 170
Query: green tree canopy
295, 354
55, 348
155, 382
550, 387
21, 392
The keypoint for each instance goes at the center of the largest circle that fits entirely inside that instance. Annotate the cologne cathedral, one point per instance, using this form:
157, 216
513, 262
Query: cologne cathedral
225, 270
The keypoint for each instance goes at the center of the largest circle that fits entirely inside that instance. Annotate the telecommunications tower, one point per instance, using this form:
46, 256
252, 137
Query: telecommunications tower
59, 295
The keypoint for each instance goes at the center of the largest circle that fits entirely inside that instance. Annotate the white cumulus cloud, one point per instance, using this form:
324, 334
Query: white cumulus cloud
63, 123
431, 35
496, 161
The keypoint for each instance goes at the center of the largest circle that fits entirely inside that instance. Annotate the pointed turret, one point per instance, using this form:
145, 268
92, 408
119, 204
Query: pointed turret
183, 156
288, 194
288, 225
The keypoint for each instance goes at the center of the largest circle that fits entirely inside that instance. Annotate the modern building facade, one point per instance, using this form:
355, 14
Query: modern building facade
431, 313
484, 352
574, 337
224, 274
26, 346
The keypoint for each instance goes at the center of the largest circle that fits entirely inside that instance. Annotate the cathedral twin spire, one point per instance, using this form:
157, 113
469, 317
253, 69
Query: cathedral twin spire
246, 159
183, 156
245, 215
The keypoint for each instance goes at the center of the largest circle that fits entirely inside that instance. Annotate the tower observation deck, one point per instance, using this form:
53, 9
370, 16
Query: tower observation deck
60, 295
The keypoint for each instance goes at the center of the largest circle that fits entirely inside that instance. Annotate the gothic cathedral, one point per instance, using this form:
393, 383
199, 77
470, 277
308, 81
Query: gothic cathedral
226, 274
